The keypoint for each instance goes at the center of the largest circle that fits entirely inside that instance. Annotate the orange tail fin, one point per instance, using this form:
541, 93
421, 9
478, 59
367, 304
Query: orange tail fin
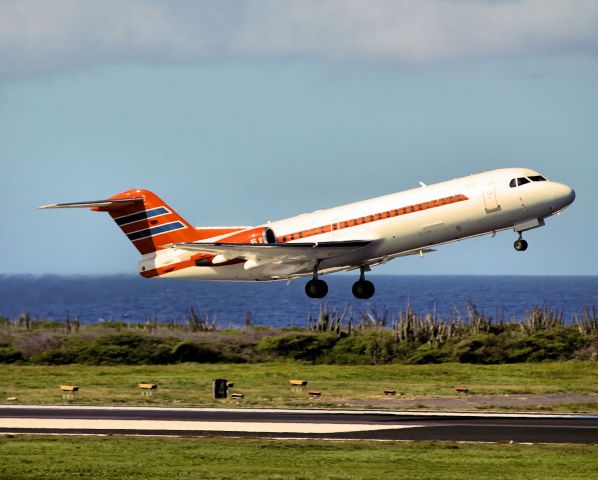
147, 221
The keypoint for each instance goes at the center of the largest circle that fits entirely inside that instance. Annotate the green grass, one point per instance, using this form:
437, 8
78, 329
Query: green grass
44, 457
266, 384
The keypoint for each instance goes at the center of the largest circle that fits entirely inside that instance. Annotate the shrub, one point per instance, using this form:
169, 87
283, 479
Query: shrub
111, 349
374, 347
10, 355
481, 349
47, 325
192, 352
555, 344
110, 324
298, 346
589, 351
428, 354
36, 343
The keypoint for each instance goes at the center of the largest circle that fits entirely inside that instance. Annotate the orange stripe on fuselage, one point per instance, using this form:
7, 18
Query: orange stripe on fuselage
372, 217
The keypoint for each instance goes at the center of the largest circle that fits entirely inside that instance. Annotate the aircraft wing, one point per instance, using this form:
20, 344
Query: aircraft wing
276, 252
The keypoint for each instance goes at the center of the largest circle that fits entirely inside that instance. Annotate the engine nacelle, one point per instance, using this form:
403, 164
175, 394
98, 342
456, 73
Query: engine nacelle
251, 235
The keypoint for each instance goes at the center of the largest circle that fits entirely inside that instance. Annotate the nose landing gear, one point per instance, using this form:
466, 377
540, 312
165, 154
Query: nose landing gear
362, 288
316, 288
520, 244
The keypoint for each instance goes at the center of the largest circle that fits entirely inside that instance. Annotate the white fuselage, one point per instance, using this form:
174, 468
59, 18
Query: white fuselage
449, 211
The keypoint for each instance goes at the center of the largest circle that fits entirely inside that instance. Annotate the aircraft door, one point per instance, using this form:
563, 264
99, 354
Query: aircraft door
490, 201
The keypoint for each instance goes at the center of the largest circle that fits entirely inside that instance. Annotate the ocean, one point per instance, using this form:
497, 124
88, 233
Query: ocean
131, 298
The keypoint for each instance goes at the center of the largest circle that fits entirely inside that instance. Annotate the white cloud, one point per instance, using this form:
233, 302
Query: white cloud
40, 36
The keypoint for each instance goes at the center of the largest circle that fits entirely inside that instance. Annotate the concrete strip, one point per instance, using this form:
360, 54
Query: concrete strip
167, 425
398, 413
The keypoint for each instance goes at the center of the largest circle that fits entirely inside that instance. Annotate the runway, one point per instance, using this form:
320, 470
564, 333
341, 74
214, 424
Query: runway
300, 423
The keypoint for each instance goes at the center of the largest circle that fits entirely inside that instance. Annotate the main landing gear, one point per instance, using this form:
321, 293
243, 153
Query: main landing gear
316, 288
520, 244
362, 288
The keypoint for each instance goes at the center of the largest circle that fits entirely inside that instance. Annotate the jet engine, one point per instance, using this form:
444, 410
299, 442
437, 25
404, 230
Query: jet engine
252, 235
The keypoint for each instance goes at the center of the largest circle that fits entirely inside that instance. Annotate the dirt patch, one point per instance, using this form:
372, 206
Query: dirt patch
549, 401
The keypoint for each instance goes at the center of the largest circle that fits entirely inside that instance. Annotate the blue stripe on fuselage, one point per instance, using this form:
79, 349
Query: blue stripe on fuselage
135, 217
150, 232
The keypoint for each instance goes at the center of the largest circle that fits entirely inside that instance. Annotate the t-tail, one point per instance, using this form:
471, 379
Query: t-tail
148, 222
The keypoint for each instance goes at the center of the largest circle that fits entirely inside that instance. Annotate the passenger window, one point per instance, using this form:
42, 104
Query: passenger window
513, 183
537, 178
522, 181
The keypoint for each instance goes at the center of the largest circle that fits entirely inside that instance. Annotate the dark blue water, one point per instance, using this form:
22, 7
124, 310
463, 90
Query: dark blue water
133, 298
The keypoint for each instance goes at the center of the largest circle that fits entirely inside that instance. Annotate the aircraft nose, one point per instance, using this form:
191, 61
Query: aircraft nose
564, 195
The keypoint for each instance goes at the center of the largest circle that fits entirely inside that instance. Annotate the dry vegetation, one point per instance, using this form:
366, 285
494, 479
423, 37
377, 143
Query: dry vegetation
332, 336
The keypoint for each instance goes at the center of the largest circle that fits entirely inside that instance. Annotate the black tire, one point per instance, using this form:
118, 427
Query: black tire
357, 289
316, 289
322, 288
370, 289
311, 289
520, 245
363, 289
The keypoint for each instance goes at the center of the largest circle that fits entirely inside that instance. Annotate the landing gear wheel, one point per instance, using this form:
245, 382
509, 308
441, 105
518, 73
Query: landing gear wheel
363, 289
316, 289
520, 245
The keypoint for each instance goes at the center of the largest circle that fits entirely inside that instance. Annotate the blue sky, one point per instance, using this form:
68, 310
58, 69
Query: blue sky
247, 111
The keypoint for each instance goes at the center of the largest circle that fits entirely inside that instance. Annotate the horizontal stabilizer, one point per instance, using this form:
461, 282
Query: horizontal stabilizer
105, 204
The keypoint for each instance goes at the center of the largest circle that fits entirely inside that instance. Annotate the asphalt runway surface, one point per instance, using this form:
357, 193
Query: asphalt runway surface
288, 423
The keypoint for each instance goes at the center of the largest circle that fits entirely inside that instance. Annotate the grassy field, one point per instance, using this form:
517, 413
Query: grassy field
43, 457
267, 384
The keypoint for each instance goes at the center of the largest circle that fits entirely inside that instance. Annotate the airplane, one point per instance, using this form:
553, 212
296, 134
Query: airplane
355, 236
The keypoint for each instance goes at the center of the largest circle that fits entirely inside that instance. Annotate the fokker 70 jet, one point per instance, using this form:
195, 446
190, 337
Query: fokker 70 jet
350, 237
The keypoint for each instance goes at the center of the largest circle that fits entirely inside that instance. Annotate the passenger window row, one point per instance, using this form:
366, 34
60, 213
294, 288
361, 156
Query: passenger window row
517, 182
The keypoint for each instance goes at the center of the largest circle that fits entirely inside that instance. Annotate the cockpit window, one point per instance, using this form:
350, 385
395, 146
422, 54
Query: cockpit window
522, 181
513, 183
537, 178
